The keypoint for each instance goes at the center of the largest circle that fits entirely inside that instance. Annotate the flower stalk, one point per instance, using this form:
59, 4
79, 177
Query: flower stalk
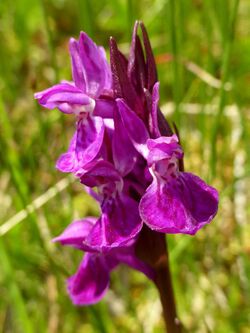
165, 288
152, 249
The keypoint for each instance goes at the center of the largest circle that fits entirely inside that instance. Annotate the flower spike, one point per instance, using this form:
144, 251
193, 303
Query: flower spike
129, 160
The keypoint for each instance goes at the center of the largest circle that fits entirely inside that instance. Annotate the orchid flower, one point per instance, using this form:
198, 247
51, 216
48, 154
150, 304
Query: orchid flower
91, 280
88, 97
120, 221
175, 201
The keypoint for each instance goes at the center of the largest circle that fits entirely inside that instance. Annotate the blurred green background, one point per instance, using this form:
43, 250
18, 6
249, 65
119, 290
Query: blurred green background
202, 48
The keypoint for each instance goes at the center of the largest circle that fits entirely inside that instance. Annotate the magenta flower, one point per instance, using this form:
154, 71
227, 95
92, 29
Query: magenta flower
91, 79
91, 281
175, 202
120, 221
88, 97
126, 155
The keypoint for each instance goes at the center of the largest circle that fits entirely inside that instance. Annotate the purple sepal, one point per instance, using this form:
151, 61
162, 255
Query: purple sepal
136, 65
90, 69
122, 86
75, 234
66, 97
85, 145
135, 127
124, 154
150, 60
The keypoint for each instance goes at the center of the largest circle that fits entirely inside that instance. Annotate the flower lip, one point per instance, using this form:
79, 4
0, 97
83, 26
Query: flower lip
183, 205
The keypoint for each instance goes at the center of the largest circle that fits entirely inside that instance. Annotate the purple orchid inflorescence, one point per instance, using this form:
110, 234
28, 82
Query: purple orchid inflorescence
127, 157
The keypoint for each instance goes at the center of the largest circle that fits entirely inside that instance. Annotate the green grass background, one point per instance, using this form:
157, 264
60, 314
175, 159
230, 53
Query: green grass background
202, 49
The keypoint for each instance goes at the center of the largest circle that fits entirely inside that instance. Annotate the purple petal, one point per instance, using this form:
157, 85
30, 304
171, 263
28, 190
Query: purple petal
124, 154
119, 224
90, 132
95, 68
182, 206
66, 97
77, 65
91, 281
76, 233
135, 127
84, 147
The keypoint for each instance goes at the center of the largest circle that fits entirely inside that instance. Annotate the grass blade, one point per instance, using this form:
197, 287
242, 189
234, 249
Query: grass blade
17, 302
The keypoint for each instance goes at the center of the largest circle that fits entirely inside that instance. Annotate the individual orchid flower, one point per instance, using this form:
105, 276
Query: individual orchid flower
120, 222
91, 280
88, 97
175, 202
91, 79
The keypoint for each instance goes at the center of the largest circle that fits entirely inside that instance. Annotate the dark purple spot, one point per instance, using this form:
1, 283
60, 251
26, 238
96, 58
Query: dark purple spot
171, 165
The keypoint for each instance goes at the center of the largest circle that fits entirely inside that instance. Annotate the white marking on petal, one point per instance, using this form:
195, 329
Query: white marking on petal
88, 108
